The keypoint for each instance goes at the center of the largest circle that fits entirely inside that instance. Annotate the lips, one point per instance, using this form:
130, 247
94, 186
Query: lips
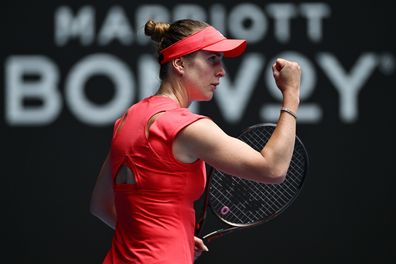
214, 85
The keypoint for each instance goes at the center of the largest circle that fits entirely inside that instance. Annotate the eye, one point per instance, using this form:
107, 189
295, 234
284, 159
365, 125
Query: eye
214, 59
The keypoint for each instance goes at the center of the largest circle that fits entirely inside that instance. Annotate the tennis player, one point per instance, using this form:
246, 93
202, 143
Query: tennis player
155, 169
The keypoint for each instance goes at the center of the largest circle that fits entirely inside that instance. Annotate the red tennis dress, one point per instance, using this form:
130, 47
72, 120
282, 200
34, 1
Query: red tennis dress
155, 215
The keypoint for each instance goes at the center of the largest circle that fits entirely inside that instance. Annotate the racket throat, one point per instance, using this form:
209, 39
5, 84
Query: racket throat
218, 233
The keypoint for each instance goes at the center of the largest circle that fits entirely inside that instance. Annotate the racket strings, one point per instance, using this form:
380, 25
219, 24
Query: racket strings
241, 202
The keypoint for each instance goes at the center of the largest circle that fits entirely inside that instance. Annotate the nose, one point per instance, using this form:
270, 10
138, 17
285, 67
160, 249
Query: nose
221, 72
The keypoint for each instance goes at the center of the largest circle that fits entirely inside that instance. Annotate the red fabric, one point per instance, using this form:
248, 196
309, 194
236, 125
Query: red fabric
155, 216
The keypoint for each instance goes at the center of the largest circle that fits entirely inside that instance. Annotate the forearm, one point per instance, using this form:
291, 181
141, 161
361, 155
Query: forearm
279, 148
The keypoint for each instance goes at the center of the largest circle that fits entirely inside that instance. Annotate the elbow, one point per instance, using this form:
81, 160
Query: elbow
102, 210
95, 209
278, 178
275, 176
279, 174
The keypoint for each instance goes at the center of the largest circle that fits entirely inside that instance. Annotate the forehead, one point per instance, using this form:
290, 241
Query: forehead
207, 53
200, 54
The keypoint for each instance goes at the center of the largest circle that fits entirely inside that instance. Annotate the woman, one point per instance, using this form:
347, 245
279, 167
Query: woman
155, 169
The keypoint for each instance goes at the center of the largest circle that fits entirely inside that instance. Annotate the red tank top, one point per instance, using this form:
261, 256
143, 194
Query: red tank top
155, 215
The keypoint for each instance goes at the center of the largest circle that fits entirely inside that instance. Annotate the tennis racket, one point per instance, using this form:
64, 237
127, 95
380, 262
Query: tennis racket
240, 203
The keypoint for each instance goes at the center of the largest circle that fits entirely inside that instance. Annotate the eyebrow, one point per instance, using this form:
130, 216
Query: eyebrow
218, 54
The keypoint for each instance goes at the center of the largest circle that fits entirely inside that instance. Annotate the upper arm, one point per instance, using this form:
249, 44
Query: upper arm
205, 140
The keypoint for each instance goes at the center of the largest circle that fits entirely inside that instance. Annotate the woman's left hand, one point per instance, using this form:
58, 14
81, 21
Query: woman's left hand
199, 247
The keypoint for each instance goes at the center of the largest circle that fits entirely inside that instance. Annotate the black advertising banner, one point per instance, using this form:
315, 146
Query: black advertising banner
70, 68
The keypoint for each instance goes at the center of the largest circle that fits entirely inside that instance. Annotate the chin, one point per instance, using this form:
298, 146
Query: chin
208, 97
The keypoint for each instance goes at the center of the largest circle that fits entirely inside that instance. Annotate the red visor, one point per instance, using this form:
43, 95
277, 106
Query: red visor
207, 39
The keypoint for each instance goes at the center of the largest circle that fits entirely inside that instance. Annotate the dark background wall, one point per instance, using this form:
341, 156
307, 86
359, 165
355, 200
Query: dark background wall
69, 68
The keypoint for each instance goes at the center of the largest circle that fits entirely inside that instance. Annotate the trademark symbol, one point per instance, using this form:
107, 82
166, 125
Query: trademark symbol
387, 63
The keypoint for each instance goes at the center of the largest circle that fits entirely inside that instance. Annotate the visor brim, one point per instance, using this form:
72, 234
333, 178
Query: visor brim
229, 47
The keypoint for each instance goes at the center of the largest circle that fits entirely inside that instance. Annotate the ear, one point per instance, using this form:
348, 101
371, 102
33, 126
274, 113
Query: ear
178, 65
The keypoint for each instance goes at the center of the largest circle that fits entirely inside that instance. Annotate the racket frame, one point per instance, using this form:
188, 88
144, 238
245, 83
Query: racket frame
236, 226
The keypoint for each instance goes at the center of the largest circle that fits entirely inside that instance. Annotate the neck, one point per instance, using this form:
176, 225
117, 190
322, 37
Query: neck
175, 91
